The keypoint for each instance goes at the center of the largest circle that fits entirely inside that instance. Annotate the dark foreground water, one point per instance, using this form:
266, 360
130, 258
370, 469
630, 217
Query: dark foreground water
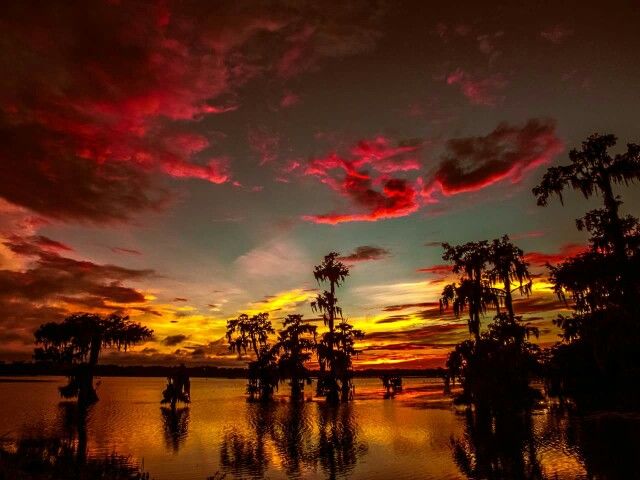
416, 435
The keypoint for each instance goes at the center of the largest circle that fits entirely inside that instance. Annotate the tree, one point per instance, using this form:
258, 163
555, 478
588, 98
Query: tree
496, 366
345, 340
253, 332
77, 342
599, 345
508, 267
296, 343
472, 291
593, 171
334, 272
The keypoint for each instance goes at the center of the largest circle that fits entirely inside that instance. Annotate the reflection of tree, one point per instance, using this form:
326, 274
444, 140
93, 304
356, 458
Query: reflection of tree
501, 447
175, 424
338, 448
245, 454
292, 436
607, 444
289, 429
64, 454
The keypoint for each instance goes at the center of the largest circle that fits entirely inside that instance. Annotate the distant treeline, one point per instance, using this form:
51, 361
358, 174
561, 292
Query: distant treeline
37, 368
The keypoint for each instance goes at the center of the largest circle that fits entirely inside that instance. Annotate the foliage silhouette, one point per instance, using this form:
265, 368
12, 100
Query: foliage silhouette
178, 387
597, 360
253, 332
494, 367
77, 342
296, 344
336, 347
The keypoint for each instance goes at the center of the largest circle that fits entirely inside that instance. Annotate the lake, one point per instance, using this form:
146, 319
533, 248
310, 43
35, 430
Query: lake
418, 434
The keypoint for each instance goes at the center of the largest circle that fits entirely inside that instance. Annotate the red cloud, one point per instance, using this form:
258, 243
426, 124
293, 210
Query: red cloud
556, 34
479, 91
97, 98
289, 99
507, 153
265, 143
566, 251
367, 167
437, 269
128, 251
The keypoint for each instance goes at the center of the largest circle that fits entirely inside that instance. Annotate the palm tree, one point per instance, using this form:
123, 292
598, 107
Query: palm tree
508, 267
244, 332
473, 291
333, 271
78, 340
297, 342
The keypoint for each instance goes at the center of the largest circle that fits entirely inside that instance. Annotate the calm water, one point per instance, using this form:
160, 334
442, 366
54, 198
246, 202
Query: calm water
416, 435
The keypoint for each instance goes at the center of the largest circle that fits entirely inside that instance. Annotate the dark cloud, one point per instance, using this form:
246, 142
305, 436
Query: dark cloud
507, 153
365, 253
128, 251
99, 99
405, 306
51, 286
173, 340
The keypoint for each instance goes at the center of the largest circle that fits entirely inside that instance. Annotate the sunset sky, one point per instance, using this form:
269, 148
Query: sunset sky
188, 161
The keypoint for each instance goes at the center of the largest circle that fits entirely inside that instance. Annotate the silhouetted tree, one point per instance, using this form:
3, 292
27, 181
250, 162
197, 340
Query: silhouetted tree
508, 267
178, 387
600, 340
333, 272
296, 344
77, 342
495, 367
473, 291
253, 332
345, 340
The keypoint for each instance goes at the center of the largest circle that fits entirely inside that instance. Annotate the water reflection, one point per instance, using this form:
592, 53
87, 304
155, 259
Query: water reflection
499, 447
62, 452
299, 436
607, 443
175, 426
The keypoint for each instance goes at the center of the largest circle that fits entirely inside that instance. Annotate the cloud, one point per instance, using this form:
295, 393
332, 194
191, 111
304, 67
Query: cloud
173, 340
97, 103
127, 251
442, 270
483, 91
564, 253
367, 176
365, 253
289, 99
507, 153
265, 143
556, 34
50, 286
406, 306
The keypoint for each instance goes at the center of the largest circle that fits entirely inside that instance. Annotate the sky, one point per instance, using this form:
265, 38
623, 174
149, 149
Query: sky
184, 162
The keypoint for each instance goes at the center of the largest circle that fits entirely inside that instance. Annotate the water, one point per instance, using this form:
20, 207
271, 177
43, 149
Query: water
416, 435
